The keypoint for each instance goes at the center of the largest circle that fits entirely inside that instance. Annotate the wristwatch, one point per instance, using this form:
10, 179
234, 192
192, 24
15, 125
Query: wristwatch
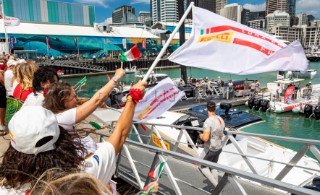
115, 79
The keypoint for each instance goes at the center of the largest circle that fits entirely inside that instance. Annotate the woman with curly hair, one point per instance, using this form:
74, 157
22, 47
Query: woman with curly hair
61, 99
38, 144
23, 76
43, 78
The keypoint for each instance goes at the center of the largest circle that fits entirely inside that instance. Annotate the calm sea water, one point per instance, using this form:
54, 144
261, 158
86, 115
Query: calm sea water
285, 124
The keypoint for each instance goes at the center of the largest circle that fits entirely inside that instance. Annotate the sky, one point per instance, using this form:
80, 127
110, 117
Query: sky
104, 8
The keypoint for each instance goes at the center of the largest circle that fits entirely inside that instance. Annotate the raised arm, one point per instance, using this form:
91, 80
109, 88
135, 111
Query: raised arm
84, 110
124, 123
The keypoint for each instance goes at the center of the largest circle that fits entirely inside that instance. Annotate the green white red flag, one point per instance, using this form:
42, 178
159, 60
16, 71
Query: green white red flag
131, 54
157, 171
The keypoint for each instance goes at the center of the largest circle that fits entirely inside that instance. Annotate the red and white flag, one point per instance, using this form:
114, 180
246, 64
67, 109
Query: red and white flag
48, 43
223, 45
131, 54
157, 100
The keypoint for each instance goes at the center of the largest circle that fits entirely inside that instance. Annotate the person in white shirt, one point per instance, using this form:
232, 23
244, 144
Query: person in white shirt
8, 76
61, 99
38, 144
42, 80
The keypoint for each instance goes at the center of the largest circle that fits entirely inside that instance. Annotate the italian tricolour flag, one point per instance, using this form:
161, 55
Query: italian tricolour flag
132, 54
157, 171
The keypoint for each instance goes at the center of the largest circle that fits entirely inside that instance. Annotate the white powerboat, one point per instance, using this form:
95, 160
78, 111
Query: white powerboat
267, 100
309, 74
245, 152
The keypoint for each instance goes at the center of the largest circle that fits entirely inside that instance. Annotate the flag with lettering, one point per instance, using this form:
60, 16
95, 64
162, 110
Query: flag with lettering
157, 100
223, 45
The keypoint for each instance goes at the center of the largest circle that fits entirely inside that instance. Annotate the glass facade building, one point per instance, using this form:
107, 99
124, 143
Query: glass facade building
44, 11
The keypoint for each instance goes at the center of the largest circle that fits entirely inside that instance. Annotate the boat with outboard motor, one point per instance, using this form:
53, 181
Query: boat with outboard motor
309, 74
292, 96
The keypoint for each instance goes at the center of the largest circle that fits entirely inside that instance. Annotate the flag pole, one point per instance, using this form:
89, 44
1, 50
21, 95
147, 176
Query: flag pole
155, 62
4, 26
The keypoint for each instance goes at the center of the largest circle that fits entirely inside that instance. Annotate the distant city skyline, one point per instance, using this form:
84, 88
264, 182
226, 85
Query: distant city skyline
104, 8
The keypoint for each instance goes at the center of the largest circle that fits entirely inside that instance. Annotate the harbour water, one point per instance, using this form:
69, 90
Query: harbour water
285, 124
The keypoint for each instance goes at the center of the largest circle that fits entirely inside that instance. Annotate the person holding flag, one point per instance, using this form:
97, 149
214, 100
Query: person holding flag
61, 99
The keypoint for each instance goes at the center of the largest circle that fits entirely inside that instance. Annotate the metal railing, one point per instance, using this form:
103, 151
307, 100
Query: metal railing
231, 175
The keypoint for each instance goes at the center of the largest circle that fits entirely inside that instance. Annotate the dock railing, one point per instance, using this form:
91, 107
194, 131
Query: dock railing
231, 175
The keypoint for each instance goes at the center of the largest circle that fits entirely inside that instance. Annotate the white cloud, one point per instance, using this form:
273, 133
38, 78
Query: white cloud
102, 3
255, 8
309, 7
108, 20
140, 1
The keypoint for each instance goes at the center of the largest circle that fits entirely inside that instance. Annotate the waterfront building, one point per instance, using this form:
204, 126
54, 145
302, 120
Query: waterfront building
164, 11
124, 14
46, 11
232, 12
273, 5
144, 16
245, 16
219, 5
257, 15
278, 18
205, 4
61, 40
290, 34
302, 19
259, 24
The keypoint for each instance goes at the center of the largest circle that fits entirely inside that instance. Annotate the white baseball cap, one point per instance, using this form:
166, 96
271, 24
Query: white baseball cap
11, 63
33, 129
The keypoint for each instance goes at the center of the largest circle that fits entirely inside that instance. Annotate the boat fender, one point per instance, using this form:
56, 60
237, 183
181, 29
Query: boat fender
317, 116
257, 104
251, 102
264, 105
307, 110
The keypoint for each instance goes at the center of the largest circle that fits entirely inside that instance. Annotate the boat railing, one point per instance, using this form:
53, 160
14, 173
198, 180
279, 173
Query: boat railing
230, 175
307, 145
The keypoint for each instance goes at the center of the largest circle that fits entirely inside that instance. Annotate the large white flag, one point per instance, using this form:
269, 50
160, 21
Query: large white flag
157, 100
12, 21
223, 45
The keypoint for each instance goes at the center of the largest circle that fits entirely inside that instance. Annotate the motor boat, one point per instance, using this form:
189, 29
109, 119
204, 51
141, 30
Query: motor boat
309, 74
267, 100
168, 131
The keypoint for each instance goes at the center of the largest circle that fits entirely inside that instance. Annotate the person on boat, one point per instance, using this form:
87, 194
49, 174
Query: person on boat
278, 92
257, 87
38, 144
212, 137
23, 77
42, 80
197, 89
253, 87
309, 90
230, 88
61, 99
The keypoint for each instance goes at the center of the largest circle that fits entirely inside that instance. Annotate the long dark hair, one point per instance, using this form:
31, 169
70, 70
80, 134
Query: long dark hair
56, 96
18, 168
42, 75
